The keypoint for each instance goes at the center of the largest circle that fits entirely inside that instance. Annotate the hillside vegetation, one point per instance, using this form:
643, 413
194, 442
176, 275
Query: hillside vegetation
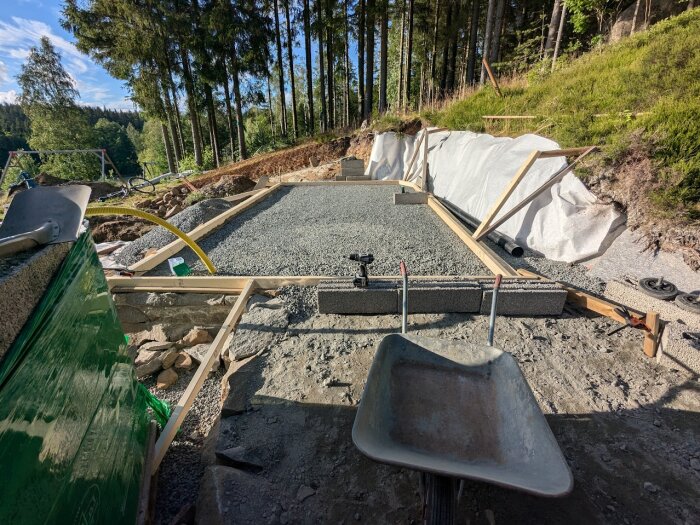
656, 73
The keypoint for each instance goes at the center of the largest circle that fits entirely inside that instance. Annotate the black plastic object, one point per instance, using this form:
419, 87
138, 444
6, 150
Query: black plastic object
73, 423
141, 185
658, 288
689, 302
502, 240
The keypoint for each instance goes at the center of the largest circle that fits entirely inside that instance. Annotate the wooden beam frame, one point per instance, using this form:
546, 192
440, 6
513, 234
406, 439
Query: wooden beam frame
606, 307
488, 228
507, 192
180, 410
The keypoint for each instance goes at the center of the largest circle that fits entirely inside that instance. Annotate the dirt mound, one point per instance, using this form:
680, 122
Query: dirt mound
106, 228
629, 185
227, 186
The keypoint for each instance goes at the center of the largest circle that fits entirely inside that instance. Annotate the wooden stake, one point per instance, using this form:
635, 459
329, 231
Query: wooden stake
492, 77
180, 411
507, 192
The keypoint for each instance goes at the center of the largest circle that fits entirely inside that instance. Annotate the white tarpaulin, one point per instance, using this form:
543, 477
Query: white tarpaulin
471, 170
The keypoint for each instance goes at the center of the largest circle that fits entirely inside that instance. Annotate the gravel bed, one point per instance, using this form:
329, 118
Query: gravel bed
187, 220
184, 463
311, 230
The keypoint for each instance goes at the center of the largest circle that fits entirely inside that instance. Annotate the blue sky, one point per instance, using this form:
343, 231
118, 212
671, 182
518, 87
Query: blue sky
22, 24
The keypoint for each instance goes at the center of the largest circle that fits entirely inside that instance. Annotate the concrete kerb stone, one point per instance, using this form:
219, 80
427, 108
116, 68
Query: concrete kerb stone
524, 298
449, 295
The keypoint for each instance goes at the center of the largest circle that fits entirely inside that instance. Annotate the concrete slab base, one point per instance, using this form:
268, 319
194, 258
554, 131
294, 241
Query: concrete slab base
448, 295
410, 198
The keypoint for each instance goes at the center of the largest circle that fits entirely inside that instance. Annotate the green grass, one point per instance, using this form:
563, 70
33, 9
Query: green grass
656, 72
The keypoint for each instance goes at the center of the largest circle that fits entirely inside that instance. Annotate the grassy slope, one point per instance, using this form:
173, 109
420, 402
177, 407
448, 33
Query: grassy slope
657, 72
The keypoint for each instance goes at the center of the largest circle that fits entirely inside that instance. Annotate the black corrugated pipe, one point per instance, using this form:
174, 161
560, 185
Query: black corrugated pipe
500, 239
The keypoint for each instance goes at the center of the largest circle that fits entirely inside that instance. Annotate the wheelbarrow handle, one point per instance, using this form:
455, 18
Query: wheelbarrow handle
492, 318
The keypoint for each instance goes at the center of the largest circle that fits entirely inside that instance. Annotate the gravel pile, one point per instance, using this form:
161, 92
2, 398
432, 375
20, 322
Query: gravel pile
311, 230
186, 220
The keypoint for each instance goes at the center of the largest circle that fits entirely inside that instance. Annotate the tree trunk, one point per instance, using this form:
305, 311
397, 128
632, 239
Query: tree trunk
409, 53
211, 121
179, 137
330, 77
369, 76
290, 53
473, 38
383, 54
309, 73
445, 53
560, 34
433, 57
172, 165
191, 107
552, 31
280, 71
488, 30
399, 100
452, 67
229, 113
634, 18
242, 150
269, 105
171, 121
691, 4
361, 60
347, 66
497, 28
322, 74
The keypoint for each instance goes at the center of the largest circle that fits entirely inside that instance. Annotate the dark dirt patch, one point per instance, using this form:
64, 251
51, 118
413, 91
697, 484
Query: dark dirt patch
107, 228
630, 185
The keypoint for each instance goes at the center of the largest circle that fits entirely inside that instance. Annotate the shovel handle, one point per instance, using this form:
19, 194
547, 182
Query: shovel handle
404, 305
492, 318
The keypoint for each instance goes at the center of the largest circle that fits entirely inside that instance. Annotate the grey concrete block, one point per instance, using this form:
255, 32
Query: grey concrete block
341, 297
358, 177
410, 198
525, 298
441, 296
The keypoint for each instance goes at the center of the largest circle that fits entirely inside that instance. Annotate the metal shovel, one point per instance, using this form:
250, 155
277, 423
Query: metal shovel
43, 215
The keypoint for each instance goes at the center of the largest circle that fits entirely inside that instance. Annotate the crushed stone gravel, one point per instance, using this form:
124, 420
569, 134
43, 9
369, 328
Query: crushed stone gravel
187, 220
311, 230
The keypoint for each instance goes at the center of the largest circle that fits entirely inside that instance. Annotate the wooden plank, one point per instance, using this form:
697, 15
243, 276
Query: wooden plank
492, 261
235, 285
424, 171
150, 262
509, 117
370, 182
416, 148
532, 196
180, 411
411, 185
505, 195
437, 130
567, 152
492, 77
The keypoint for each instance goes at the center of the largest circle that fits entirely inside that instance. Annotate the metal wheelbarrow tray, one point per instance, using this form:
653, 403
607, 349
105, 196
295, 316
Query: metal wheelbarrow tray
458, 409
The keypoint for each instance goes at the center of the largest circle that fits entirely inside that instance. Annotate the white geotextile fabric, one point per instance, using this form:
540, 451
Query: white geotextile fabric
471, 170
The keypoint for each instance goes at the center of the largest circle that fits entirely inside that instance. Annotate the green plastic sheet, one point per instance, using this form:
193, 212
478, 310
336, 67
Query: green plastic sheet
73, 422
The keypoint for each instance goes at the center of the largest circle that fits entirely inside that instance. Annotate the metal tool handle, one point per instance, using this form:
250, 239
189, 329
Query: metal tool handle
44, 234
404, 309
492, 318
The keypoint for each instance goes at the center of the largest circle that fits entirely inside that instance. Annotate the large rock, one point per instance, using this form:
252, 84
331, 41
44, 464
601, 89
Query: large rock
147, 363
199, 352
166, 379
169, 358
156, 346
244, 458
183, 361
258, 329
196, 336
662, 9
155, 333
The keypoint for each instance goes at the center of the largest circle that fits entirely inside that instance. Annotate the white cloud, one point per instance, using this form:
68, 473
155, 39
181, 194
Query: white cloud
9, 97
18, 36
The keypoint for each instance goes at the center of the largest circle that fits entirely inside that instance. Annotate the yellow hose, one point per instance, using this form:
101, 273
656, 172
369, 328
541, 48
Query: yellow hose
121, 210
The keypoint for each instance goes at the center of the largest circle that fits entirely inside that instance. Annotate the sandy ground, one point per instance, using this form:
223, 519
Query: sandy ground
627, 426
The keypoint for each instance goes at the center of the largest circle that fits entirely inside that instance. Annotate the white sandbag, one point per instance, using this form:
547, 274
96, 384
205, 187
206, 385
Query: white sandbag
471, 170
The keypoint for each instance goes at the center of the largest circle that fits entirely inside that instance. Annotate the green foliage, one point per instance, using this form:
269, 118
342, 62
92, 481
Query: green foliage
188, 163
194, 197
121, 150
43, 80
151, 146
654, 72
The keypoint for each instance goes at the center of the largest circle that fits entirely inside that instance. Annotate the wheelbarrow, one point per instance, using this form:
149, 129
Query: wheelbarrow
456, 410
